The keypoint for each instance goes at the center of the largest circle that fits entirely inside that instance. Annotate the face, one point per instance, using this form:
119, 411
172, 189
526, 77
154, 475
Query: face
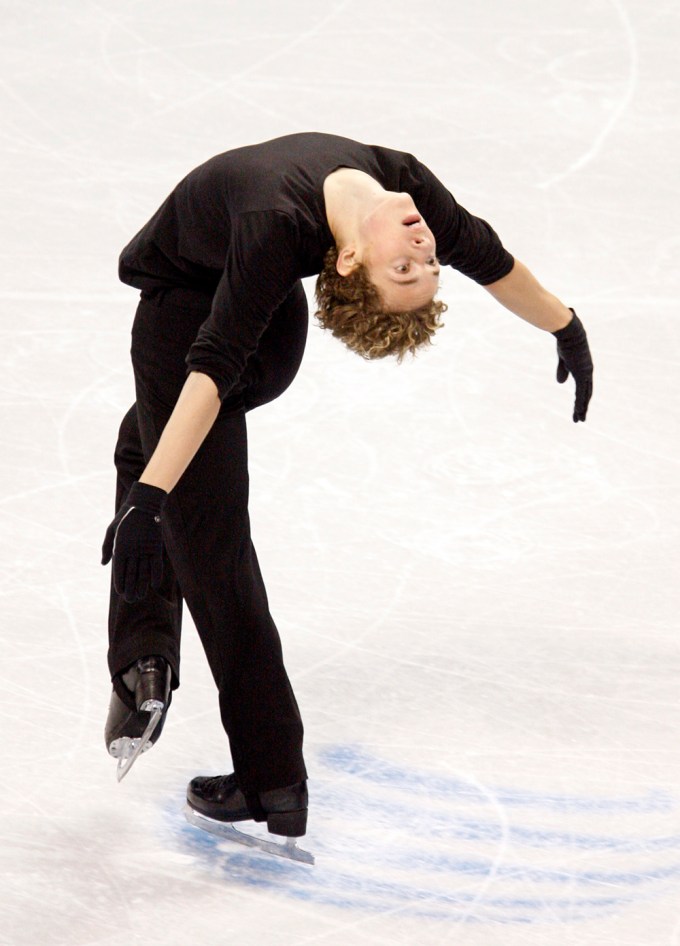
399, 252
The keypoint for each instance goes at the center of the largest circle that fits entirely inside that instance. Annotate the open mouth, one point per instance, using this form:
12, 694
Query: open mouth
411, 220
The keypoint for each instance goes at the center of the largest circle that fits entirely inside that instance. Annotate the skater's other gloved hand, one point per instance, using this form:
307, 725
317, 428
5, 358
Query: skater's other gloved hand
574, 358
134, 541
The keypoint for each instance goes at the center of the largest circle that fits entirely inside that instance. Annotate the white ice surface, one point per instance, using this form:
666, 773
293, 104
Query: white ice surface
478, 599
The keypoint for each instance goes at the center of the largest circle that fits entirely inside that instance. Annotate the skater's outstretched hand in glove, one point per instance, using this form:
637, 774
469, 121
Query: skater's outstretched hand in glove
521, 292
574, 358
135, 543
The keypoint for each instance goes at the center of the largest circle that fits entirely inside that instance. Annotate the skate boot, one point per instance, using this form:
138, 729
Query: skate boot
137, 710
215, 802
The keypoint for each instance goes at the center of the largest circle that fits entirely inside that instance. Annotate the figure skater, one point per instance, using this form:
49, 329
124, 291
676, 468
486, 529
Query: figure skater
219, 330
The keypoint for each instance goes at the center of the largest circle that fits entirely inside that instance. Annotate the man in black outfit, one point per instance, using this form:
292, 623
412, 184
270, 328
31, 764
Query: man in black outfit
220, 329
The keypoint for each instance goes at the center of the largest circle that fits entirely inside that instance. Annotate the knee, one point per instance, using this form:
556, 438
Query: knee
280, 351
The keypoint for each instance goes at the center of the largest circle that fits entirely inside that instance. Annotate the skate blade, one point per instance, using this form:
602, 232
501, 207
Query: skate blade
131, 749
227, 832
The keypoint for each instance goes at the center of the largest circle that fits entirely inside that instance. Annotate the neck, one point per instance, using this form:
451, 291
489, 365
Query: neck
350, 196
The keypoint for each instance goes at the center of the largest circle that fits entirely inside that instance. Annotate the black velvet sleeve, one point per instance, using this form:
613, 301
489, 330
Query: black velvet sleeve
260, 269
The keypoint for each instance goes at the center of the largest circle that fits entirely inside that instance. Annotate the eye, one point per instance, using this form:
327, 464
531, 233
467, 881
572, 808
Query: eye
402, 268
432, 261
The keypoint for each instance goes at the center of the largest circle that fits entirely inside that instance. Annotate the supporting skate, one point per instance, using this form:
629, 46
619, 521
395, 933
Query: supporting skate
227, 832
215, 803
137, 711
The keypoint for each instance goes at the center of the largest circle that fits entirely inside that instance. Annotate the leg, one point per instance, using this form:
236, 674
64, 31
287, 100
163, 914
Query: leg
151, 626
143, 638
208, 541
272, 368
210, 545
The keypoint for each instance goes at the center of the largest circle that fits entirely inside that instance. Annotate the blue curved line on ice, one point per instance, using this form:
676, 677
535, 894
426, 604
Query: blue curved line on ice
353, 761
347, 891
460, 866
437, 824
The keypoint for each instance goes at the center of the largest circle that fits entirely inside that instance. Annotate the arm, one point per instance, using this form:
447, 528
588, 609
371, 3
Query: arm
188, 426
521, 293
254, 283
134, 539
471, 246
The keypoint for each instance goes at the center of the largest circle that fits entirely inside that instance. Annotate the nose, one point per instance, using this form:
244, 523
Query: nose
421, 240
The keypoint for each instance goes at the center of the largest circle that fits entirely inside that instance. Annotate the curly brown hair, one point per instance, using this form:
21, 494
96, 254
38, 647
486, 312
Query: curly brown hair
352, 309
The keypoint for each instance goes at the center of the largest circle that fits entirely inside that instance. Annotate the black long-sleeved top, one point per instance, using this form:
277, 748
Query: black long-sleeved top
247, 224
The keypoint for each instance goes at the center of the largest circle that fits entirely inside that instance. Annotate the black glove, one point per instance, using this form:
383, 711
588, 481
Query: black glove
574, 358
134, 540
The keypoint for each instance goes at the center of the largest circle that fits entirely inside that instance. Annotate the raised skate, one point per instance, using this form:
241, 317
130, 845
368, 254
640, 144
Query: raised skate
215, 803
137, 711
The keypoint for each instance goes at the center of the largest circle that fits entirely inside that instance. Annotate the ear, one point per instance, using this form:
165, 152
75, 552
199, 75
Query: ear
347, 260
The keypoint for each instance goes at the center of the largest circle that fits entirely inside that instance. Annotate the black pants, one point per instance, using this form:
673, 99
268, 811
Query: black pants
210, 561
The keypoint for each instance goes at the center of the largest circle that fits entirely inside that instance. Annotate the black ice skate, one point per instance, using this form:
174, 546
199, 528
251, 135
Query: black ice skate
215, 802
137, 711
